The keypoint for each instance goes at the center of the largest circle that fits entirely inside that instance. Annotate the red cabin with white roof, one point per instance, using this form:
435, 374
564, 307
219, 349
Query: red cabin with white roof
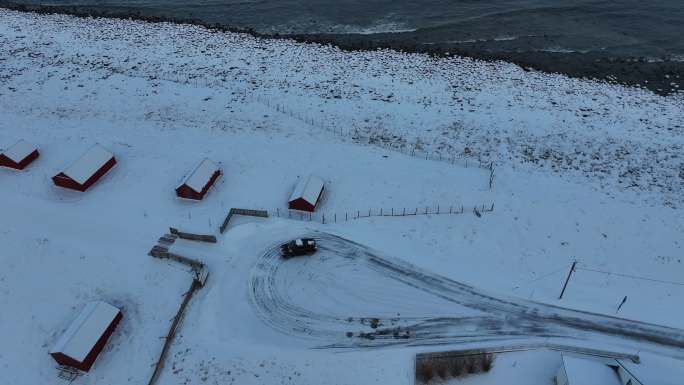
199, 181
87, 170
307, 194
20, 155
86, 336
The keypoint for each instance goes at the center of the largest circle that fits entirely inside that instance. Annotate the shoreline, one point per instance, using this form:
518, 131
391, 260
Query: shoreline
662, 77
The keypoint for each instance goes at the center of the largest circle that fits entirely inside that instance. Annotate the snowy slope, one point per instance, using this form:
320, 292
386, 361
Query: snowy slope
162, 96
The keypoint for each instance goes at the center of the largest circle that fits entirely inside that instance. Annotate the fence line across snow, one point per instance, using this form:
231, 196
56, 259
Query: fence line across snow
327, 218
466, 160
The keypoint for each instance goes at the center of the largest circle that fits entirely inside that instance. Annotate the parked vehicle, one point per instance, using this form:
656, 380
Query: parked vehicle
297, 247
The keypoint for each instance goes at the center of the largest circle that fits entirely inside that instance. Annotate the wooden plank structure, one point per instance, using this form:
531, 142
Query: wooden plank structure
201, 274
192, 237
237, 211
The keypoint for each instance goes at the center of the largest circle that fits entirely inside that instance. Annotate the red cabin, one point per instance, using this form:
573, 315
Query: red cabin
200, 180
307, 194
20, 155
85, 338
87, 170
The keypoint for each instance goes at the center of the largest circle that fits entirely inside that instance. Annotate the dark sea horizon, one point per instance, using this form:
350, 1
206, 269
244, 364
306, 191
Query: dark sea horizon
634, 42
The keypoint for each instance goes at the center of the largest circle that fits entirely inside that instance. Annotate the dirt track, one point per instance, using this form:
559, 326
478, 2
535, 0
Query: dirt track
347, 288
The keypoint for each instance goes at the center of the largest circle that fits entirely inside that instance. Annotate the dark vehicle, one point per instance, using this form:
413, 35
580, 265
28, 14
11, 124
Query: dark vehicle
300, 246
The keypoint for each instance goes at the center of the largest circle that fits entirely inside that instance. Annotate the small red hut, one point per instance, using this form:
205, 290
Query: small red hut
199, 181
87, 170
20, 155
85, 338
307, 194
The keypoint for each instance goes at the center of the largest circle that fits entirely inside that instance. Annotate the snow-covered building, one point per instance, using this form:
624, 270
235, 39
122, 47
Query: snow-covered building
199, 181
20, 155
87, 170
307, 194
86, 336
577, 370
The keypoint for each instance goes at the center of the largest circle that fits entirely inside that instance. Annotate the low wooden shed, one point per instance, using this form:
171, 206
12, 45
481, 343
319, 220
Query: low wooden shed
86, 336
20, 155
307, 194
87, 170
199, 181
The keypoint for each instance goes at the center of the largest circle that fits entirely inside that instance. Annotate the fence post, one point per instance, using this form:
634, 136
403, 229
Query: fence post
438, 209
380, 211
323, 218
404, 213
567, 280
277, 212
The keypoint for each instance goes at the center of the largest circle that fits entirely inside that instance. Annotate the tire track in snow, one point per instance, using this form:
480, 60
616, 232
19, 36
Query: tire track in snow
488, 317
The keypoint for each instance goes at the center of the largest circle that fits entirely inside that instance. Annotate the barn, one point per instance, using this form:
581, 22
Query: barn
307, 194
20, 155
87, 170
86, 336
576, 370
199, 181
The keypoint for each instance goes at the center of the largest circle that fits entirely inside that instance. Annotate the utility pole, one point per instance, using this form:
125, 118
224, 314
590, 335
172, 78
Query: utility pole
567, 280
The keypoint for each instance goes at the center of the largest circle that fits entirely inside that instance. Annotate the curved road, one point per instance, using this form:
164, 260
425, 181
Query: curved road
347, 295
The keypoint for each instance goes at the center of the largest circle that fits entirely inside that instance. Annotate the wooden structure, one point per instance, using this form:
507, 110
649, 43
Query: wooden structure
237, 211
20, 155
87, 170
577, 370
86, 336
193, 237
307, 194
199, 181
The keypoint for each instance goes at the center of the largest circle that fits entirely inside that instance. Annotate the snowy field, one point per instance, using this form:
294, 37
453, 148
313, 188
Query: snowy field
584, 171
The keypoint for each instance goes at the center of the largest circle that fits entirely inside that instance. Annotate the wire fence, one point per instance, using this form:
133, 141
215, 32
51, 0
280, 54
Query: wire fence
641, 278
335, 217
392, 140
387, 139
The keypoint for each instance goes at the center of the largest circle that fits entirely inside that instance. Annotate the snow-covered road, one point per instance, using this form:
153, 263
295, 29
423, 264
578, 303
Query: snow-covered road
348, 295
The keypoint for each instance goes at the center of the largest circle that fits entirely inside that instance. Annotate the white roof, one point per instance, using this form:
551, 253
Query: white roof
19, 151
88, 164
82, 335
201, 175
586, 371
308, 189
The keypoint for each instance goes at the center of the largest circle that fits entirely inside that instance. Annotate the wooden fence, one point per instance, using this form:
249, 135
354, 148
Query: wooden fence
238, 211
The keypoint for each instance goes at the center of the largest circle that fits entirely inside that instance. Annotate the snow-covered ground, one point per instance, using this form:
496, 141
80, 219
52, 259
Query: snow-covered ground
584, 171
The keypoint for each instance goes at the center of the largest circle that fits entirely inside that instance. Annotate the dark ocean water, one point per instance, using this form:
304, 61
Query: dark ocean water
553, 35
